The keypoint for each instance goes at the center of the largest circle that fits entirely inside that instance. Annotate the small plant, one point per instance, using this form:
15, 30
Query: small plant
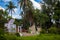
17, 34
2, 31
53, 30
43, 31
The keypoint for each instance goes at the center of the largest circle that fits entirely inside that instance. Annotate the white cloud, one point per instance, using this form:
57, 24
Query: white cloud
7, 0
2, 8
15, 10
36, 5
17, 16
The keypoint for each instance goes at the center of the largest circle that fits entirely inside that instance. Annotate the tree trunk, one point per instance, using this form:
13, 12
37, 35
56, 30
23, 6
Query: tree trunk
11, 13
16, 29
32, 28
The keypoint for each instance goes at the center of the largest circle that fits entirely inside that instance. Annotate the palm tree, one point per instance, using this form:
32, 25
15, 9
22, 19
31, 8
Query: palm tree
27, 7
11, 7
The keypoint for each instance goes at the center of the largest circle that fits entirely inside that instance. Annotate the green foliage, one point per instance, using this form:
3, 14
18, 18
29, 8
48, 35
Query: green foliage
40, 17
9, 37
10, 7
57, 14
1, 31
17, 34
18, 22
53, 30
35, 37
50, 2
3, 19
2, 22
58, 30
2, 37
43, 31
27, 25
42, 37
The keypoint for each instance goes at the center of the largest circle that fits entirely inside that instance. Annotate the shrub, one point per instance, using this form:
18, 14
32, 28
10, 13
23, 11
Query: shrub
43, 31
58, 30
1, 31
2, 37
53, 30
17, 34
9, 37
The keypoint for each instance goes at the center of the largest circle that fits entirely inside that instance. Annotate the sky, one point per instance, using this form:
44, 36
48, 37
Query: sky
17, 10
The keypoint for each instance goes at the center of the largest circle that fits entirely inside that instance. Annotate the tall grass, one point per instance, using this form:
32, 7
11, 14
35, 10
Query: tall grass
42, 37
36, 37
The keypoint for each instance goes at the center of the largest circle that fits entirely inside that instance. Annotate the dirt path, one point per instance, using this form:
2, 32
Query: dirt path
26, 34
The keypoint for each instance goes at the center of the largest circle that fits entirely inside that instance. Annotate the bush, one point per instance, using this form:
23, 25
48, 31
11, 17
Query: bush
17, 34
43, 31
2, 37
53, 30
9, 37
1, 31
58, 30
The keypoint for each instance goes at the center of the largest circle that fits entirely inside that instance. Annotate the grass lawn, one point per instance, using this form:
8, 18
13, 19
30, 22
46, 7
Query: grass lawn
42, 37
36, 37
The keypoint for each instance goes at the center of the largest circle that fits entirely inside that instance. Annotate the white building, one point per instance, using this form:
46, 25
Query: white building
10, 26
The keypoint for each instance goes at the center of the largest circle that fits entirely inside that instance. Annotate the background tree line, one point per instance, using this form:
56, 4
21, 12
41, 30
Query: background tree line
50, 11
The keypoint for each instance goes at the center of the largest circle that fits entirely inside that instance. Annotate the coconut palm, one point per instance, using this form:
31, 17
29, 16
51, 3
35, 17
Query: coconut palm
26, 5
10, 7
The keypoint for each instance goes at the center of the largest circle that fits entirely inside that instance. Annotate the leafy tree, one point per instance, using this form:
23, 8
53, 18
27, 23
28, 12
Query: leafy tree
18, 22
57, 14
3, 18
40, 18
49, 8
